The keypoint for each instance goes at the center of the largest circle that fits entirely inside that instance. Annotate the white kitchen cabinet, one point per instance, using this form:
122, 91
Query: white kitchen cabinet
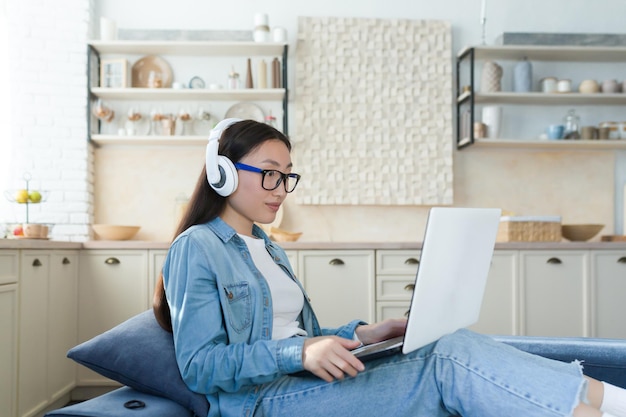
33, 332
395, 275
499, 310
47, 327
292, 256
608, 288
554, 293
62, 322
340, 284
9, 269
8, 348
156, 259
113, 288
9, 266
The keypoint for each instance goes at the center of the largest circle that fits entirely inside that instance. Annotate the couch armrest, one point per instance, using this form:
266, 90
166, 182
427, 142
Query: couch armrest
603, 359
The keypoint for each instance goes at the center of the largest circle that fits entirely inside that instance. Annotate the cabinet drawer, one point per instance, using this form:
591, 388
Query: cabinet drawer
391, 310
8, 266
394, 287
397, 262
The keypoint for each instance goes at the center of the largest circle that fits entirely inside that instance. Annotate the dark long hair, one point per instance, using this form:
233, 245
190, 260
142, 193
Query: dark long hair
238, 140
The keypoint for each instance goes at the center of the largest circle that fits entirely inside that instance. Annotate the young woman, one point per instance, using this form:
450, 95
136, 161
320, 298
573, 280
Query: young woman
244, 330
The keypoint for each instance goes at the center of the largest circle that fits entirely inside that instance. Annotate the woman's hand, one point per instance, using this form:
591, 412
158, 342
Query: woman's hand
329, 357
377, 332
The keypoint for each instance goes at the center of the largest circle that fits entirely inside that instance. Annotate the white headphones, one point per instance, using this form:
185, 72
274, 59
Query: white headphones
220, 171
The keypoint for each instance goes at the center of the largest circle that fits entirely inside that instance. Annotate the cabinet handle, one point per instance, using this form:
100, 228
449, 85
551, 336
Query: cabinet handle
336, 261
554, 261
622, 260
65, 261
411, 261
409, 287
37, 262
112, 261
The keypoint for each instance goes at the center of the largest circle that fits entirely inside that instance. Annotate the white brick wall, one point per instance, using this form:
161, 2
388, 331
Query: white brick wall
47, 53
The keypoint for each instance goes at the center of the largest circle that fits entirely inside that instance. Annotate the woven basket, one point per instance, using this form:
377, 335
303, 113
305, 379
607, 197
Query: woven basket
530, 229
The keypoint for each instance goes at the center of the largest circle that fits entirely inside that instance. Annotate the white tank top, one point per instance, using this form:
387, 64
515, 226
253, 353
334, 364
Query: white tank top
287, 298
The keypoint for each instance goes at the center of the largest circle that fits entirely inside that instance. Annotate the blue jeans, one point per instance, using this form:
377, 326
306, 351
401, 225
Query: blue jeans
463, 374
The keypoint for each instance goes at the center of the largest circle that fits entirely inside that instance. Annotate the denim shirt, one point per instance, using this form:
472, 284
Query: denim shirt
221, 311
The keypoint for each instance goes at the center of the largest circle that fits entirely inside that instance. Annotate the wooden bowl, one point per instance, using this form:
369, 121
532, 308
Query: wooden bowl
280, 235
580, 232
115, 232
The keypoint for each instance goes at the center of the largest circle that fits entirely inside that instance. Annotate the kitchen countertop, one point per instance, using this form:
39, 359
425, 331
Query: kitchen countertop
138, 244
38, 244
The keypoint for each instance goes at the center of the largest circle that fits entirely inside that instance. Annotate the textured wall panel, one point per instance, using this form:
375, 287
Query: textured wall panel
373, 101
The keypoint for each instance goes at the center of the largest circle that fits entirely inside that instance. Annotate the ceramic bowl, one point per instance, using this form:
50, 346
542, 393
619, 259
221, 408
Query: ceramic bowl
280, 235
580, 232
115, 232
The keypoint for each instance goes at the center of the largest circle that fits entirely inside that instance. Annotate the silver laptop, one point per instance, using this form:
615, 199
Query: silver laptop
450, 281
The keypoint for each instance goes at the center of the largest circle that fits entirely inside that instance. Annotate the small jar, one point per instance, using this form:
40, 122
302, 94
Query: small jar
155, 79
564, 86
233, 80
480, 130
270, 120
622, 130
572, 126
610, 86
261, 28
548, 85
613, 130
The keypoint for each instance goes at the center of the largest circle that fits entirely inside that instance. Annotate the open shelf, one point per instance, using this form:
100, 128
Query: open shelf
193, 48
178, 140
188, 94
549, 53
549, 144
551, 98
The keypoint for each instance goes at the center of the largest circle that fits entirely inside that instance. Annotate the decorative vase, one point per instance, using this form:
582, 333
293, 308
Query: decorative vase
523, 76
492, 117
491, 79
249, 82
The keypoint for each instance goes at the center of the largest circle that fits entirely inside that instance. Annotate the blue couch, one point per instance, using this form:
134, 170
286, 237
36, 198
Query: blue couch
140, 355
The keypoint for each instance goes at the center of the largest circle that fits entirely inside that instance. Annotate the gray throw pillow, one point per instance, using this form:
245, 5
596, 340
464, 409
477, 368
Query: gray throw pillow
140, 354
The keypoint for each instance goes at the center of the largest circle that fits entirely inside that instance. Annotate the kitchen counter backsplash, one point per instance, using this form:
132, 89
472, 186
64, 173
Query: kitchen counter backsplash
138, 244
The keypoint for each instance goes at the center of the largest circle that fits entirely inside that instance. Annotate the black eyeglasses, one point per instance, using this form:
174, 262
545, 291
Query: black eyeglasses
271, 178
